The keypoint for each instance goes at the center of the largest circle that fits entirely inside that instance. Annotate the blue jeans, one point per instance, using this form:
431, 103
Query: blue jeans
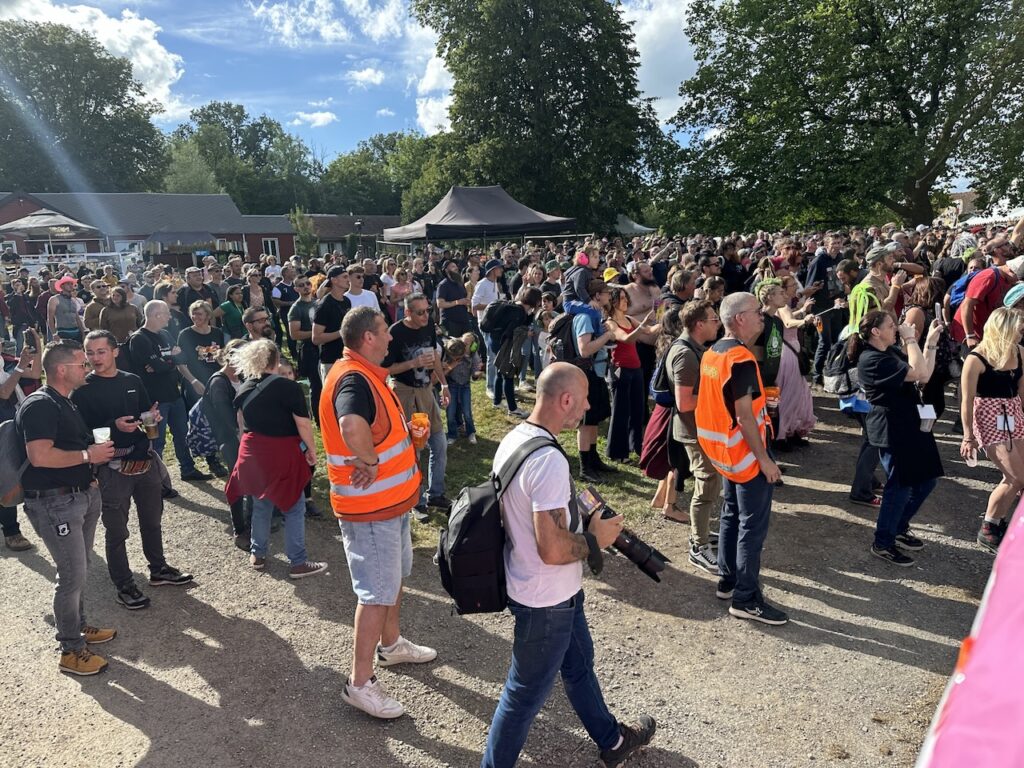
436, 464
899, 504
531, 356
742, 529
460, 407
831, 327
864, 474
490, 372
174, 416
547, 641
503, 386
294, 529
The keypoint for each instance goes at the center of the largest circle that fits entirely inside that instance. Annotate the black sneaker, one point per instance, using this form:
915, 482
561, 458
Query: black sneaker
758, 610
909, 541
600, 466
588, 475
131, 597
440, 502
168, 493
312, 510
634, 736
724, 590
892, 555
169, 575
420, 513
216, 467
195, 474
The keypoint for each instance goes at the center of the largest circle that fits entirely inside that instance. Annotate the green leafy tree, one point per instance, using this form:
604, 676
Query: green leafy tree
830, 111
72, 116
187, 170
359, 182
306, 240
546, 101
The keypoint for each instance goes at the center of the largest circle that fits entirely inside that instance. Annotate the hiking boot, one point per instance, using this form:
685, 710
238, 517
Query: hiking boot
308, 568
257, 563
195, 474
17, 543
97, 636
758, 610
371, 699
724, 589
634, 736
216, 467
169, 575
893, 555
404, 651
907, 540
131, 597
873, 503
81, 662
990, 536
704, 558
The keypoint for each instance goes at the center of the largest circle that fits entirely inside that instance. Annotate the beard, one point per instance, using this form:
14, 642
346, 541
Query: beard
649, 281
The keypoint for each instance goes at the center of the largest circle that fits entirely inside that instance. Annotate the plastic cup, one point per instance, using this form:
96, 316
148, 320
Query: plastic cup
419, 428
149, 424
101, 435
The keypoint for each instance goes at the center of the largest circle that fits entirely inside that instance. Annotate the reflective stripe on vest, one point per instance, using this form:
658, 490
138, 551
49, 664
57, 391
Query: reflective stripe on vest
377, 486
730, 440
392, 452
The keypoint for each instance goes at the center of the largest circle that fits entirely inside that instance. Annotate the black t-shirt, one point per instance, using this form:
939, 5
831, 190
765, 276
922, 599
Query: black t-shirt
270, 412
153, 350
48, 415
200, 351
354, 397
406, 344
426, 281
104, 399
549, 287
372, 283
188, 295
453, 290
950, 270
329, 313
743, 380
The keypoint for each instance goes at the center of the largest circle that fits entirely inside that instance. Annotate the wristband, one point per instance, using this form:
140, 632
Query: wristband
85, 456
595, 558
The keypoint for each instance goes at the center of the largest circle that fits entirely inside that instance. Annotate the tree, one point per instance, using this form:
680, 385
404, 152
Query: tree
359, 182
188, 172
806, 110
306, 240
545, 101
72, 116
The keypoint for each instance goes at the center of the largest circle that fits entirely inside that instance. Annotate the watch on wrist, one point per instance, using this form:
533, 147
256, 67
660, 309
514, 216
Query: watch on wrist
595, 558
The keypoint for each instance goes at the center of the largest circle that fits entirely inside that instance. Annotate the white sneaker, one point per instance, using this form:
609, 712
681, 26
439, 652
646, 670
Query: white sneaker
451, 441
472, 439
371, 699
404, 651
519, 413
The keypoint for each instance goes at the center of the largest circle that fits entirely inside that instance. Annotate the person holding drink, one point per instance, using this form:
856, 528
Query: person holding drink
114, 404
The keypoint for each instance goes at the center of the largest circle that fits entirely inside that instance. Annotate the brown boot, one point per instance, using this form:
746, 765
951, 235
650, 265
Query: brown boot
82, 662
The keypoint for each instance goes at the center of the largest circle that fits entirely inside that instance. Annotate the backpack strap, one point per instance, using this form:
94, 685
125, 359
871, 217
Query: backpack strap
259, 388
503, 478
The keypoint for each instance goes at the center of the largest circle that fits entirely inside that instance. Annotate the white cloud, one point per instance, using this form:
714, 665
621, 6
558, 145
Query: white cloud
314, 119
385, 112
129, 36
322, 102
436, 77
666, 58
381, 23
303, 22
432, 114
364, 78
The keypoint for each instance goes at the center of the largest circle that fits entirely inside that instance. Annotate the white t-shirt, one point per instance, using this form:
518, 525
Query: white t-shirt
486, 292
386, 282
364, 299
542, 483
272, 271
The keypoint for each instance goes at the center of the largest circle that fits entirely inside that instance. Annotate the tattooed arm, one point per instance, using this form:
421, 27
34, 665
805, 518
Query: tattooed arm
556, 545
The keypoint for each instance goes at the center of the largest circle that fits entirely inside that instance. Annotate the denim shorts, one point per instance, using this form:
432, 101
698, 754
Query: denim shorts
379, 556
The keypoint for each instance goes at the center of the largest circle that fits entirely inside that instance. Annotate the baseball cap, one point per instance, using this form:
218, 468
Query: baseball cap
336, 270
552, 265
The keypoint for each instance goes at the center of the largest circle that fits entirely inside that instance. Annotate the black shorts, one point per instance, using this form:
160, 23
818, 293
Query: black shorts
600, 403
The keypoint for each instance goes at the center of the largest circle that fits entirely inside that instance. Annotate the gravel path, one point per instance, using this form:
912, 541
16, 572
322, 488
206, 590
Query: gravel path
243, 668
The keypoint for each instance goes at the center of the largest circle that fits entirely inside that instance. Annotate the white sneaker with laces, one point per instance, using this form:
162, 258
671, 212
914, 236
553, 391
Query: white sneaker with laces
404, 651
704, 558
371, 699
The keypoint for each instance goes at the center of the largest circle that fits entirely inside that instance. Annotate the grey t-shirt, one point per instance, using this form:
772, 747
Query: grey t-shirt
684, 363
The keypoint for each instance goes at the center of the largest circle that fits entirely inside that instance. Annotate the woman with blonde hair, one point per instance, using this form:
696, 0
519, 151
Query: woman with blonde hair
275, 455
991, 388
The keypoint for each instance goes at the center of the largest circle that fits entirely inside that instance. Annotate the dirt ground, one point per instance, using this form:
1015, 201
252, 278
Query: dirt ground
245, 669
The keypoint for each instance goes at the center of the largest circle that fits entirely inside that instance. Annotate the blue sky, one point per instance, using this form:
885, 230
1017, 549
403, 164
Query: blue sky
331, 71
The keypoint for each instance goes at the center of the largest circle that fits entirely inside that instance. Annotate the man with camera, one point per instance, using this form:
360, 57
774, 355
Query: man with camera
544, 554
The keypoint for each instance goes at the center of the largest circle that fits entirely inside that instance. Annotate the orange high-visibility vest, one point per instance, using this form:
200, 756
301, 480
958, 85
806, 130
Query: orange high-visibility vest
397, 487
717, 431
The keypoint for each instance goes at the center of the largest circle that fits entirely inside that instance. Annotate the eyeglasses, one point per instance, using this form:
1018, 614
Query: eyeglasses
418, 311
355, 277
86, 364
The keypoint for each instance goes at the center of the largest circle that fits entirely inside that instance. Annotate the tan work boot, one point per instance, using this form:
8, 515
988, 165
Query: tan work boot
95, 635
82, 662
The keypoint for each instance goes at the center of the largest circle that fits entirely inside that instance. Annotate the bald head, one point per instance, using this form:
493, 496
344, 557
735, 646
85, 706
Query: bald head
558, 378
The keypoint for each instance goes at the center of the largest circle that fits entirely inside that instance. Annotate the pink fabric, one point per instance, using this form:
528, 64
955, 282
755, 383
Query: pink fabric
796, 406
977, 723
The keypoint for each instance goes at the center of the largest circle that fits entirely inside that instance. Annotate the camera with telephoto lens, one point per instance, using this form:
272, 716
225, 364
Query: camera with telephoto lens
645, 557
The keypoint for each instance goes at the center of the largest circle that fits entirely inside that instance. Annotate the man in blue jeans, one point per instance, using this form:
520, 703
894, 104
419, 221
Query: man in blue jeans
544, 554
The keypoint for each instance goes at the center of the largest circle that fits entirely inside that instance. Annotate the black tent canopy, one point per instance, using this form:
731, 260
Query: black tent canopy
471, 212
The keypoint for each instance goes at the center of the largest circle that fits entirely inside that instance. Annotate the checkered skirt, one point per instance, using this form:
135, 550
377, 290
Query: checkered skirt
987, 411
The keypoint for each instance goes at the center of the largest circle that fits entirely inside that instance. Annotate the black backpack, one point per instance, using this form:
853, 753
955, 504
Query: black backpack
839, 374
562, 343
471, 550
494, 316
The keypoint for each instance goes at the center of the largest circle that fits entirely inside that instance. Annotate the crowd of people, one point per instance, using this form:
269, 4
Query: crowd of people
695, 357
